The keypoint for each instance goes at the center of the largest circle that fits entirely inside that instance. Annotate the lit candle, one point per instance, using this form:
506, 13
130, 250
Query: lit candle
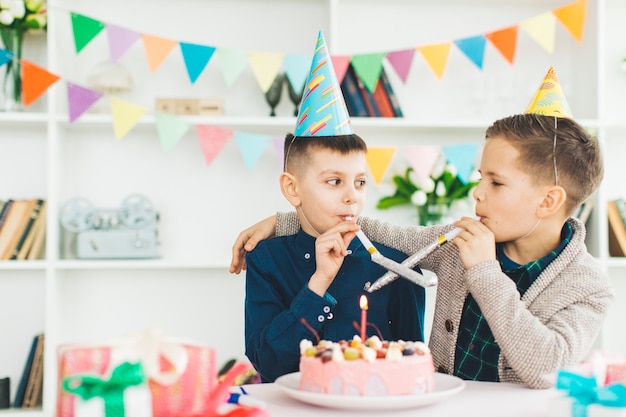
363, 304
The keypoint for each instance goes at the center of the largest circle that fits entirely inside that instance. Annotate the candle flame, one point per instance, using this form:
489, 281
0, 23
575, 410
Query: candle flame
363, 302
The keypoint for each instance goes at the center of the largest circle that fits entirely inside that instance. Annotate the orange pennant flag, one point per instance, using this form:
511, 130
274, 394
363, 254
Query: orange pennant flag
505, 41
35, 81
157, 49
436, 57
572, 16
378, 160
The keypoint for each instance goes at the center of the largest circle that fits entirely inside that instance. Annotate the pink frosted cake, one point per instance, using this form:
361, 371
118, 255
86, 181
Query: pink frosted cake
373, 368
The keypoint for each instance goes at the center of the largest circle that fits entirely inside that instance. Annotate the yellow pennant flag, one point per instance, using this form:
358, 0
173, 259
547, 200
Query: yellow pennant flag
125, 116
436, 57
542, 28
572, 16
265, 67
378, 161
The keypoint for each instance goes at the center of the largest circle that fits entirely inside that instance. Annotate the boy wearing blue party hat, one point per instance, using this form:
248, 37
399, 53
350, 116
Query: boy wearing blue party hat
519, 296
311, 282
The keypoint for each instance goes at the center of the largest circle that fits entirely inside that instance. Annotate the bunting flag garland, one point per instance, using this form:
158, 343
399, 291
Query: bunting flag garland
35, 81
505, 41
265, 66
170, 129
368, 67
125, 116
5, 56
542, 29
473, 48
457, 155
279, 150
436, 56
232, 63
156, 49
378, 160
212, 140
572, 16
84, 29
341, 64
196, 58
401, 62
120, 40
297, 68
251, 146
422, 159
80, 99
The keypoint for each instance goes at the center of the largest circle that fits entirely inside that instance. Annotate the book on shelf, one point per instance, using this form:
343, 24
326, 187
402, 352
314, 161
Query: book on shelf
4, 211
393, 99
13, 225
34, 385
28, 366
352, 95
584, 211
617, 228
367, 96
35, 237
382, 99
28, 227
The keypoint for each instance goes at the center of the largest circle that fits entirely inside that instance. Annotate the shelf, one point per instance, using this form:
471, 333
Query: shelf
135, 265
23, 265
19, 118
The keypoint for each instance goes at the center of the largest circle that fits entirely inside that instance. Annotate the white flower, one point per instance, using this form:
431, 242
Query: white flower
419, 198
17, 8
5, 4
451, 169
428, 185
6, 17
34, 5
439, 167
475, 176
440, 191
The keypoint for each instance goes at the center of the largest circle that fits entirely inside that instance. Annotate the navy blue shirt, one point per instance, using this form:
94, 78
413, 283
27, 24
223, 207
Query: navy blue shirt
277, 299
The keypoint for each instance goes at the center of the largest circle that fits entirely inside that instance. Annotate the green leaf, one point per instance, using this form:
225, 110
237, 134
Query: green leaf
387, 202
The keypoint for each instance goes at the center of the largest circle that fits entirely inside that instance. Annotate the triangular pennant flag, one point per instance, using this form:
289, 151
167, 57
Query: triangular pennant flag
84, 29
265, 67
542, 29
171, 129
120, 40
5, 56
35, 81
232, 63
572, 17
297, 68
378, 161
156, 49
196, 58
401, 62
463, 158
341, 64
505, 41
473, 48
279, 148
80, 99
436, 56
368, 68
251, 146
212, 140
422, 159
125, 116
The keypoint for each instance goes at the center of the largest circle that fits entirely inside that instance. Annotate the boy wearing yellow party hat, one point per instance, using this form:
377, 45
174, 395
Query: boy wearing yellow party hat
310, 283
519, 296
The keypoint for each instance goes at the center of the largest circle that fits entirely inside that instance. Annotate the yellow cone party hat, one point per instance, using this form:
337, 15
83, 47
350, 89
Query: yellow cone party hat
323, 111
549, 99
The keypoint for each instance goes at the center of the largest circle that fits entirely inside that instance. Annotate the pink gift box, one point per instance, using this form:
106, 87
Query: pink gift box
180, 375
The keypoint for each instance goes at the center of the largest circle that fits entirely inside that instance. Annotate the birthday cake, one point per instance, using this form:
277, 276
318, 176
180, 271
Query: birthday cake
370, 368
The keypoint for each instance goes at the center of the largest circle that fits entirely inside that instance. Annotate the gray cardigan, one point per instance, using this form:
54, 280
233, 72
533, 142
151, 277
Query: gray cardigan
552, 326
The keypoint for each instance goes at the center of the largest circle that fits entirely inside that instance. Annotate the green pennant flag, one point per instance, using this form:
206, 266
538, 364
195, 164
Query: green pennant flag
170, 129
368, 67
85, 29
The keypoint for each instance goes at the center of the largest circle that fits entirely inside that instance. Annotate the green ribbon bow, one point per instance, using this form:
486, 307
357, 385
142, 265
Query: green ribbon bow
111, 390
585, 391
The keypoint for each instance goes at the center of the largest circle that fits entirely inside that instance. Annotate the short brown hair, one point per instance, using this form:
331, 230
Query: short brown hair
298, 148
579, 163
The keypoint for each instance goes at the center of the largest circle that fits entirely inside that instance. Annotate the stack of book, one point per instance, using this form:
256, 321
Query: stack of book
30, 390
22, 228
363, 103
617, 227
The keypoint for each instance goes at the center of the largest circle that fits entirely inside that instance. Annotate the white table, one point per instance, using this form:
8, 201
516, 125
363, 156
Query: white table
480, 399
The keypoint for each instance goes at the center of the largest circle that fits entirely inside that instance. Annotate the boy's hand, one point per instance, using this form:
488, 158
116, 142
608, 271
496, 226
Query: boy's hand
476, 243
247, 241
330, 250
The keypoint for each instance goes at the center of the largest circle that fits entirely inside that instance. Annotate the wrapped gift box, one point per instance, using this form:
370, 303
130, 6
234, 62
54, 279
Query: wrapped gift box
565, 407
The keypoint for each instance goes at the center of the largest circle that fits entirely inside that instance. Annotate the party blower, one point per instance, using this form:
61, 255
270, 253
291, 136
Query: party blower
391, 265
413, 260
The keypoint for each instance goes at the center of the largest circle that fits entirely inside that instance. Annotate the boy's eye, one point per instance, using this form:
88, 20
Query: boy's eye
495, 183
360, 183
334, 181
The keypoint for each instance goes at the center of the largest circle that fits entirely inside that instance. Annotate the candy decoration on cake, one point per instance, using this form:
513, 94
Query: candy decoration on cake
323, 111
549, 99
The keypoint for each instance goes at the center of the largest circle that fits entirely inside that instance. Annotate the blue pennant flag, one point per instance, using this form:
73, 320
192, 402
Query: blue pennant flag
473, 48
196, 58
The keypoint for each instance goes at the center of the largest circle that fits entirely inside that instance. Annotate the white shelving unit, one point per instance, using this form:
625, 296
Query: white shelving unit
189, 292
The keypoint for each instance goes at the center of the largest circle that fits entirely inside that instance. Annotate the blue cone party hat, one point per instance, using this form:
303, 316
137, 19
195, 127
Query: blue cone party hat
323, 111
549, 99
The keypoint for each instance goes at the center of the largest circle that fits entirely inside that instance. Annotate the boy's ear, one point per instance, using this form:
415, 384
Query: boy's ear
552, 202
289, 188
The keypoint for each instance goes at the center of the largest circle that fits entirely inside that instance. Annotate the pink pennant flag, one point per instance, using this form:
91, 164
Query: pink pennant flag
423, 159
401, 62
80, 99
212, 140
120, 40
340, 63
279, 147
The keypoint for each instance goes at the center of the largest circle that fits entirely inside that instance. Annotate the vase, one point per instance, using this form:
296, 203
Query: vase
433, 213
11, 93
272, 96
